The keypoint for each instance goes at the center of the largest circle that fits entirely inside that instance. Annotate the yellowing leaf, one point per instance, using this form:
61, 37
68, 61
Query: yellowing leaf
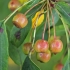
22, 1
40, 19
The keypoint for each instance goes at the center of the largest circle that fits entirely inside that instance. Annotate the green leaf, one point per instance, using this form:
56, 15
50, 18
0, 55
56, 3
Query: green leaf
3, 48
16, 56
66, 66
29, 65
59, 30
64, 11
56, 17
65, 18
22, 34
31, 4
64, 7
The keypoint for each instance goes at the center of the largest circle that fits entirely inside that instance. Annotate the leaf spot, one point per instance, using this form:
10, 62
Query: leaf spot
17, 34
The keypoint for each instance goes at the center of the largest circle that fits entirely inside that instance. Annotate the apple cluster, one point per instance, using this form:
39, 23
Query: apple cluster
43, 48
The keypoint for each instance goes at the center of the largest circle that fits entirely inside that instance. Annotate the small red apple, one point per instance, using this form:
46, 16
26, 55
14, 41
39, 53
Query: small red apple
56, 45
27, 48
20, 20
41, 46
44, 57
58, 66
13, 4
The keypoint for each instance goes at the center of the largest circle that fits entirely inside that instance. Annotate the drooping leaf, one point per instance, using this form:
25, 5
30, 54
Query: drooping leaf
64, 11
18, 57
3, 47
64, 16
15, 55
29, 65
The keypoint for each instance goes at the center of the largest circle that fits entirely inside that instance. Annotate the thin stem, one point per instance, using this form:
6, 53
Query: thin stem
45, 12
68, 29
1, 22
34, 6
33, 37
35, 32
43, 6
66, 32
44, 30
48, 17
30, 54
34, 11
67, 37
31, 32
44, 24
52, 20
16, 10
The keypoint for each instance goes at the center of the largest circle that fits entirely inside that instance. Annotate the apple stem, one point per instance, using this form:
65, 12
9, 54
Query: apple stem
44, 30
52, 20
34, 34
45, 22
34, 6
30, 55
48, 21
43, 7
